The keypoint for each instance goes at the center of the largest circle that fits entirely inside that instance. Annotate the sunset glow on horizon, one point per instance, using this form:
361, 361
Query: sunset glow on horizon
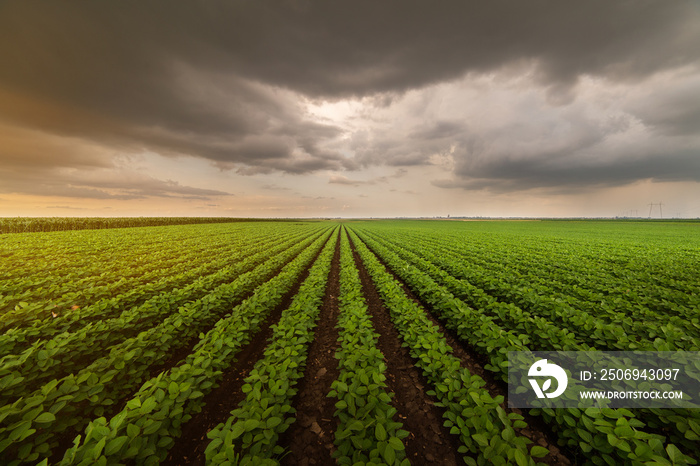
350, 109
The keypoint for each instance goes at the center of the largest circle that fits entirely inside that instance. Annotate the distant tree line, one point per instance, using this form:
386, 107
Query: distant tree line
44, 224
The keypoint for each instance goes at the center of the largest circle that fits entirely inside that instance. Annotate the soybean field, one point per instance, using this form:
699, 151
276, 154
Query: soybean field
333, 342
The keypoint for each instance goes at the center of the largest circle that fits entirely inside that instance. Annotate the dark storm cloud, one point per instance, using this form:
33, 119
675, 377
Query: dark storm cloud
562, 150
21, 148
215, 79
89, 184
143, 186
574, 174
438, 130
672, 110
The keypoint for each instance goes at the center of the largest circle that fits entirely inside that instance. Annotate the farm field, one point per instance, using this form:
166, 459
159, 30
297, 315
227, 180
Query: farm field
322, 342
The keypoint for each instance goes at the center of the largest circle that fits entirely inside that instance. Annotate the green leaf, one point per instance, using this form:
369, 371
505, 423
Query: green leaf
117, 420
613, 440
396, 444
132, 430
148, 405
5, 443
251, 424
521, 459
674, 453
133, 403
538, 451
624, 432
237, 429
481, 439
173, 388
389, 454
115, 445
357, 425
45, 417
380, 432
273, 422
508, 434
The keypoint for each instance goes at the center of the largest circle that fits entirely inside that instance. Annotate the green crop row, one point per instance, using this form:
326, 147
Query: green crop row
46, 224
629, 333
621, 292
71, 272
545, 336
71, 352
591, 432
78, 286
86, 253
147, 427
249, 436
486, 431
90, 301
541, 334
136, 302
535, 328
366, 430
72, 400
655, 279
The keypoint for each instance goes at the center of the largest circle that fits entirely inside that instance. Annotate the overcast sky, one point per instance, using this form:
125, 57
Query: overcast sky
350, 108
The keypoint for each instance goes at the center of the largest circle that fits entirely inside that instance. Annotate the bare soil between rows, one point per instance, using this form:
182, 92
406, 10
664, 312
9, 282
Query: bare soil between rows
309, 441
429, 442
537, 431
177, 356
219, 403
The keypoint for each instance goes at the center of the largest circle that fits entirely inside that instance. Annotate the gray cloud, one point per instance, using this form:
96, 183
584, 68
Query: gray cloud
223, 80
22, 148
672, 110
574, 178
438, 130
123, 60
572, 174
604, 141
92, 184
344, 180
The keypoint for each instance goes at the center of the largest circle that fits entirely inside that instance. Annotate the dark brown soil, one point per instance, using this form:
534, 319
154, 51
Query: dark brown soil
309, 441
474, 362
219, 403
429, 442
179, 354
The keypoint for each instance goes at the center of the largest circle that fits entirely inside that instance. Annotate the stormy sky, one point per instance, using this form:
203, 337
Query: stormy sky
350, 108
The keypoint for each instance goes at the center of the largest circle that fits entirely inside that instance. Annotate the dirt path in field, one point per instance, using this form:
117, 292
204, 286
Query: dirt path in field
429, 441
309, 441
189, 448
474, 362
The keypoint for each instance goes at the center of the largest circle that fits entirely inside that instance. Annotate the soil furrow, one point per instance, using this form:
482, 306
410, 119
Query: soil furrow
219, 403
429, 441
537, 430
178, 356
309, 441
